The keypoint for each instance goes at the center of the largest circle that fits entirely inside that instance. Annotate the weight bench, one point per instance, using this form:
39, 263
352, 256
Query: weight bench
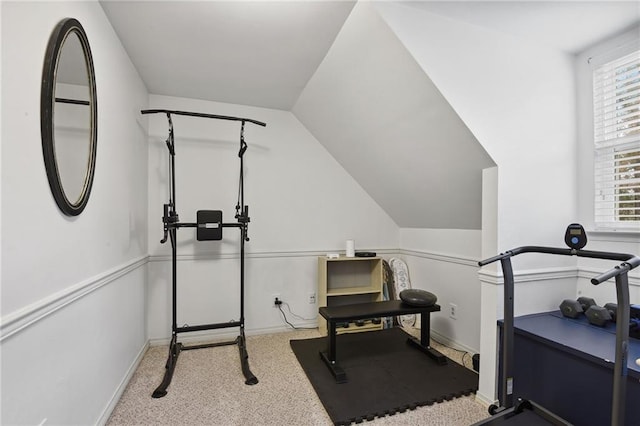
362, 311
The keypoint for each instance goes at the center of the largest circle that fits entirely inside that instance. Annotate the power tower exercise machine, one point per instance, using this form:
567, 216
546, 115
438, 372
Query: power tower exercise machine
209, 227
527, 412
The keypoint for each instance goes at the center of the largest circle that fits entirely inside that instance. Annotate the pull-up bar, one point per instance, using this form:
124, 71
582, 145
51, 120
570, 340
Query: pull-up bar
209, 227
202, 115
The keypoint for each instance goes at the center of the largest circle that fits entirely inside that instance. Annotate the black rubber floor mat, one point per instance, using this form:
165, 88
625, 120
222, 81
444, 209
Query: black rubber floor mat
385, 376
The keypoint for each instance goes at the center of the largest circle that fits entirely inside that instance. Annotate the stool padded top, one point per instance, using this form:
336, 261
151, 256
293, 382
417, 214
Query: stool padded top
417, 297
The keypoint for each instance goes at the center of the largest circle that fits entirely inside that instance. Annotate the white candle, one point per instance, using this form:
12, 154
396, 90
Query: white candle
351, 248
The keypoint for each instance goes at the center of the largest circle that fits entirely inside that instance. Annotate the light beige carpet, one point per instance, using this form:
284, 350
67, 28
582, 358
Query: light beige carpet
208, 389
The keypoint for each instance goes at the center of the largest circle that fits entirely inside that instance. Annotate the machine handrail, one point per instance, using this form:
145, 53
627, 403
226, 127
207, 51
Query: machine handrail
623, 257
623, 268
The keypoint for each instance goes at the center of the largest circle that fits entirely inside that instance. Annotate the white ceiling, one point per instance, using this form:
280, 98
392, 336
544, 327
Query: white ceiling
567, 25
259, 53
346, 76
263, 53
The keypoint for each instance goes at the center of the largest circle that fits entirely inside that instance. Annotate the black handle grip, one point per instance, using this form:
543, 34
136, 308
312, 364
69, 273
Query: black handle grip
243, 149
495, 258
623, 268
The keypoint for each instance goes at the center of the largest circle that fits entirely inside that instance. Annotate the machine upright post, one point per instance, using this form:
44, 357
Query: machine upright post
622, 349
243, 231
506, 399
174, 280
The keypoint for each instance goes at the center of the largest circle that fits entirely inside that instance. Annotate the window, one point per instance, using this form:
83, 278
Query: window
616, 101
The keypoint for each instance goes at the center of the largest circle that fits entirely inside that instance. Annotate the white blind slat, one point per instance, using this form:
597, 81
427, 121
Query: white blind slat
616, 94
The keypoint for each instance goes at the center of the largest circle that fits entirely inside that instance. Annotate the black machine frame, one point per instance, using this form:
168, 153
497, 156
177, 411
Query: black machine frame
508, 408
209, 227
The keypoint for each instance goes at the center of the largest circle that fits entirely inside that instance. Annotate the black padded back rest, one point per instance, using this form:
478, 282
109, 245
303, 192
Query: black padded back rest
209, 225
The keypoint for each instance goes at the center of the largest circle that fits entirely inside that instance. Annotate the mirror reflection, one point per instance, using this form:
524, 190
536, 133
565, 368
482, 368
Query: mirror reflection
72, 119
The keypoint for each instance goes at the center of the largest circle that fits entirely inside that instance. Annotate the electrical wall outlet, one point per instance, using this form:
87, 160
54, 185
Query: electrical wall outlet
312, 298
273, 299
453, 311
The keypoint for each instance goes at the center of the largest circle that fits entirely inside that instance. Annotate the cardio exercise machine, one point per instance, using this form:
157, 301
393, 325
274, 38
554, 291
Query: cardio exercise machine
209, 227
527, 412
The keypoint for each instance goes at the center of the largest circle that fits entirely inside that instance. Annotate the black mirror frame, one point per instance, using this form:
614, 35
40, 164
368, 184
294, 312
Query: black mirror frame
47, 102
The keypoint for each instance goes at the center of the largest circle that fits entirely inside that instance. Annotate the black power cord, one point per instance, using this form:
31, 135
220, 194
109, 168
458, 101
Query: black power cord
463, 352
279, 304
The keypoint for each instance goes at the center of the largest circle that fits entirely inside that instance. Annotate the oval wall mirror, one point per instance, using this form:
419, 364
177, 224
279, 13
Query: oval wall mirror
68, 116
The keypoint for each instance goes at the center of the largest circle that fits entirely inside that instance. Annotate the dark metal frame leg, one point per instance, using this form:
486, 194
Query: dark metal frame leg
330, 357
423, 344
250, 378
174, 346
170, 366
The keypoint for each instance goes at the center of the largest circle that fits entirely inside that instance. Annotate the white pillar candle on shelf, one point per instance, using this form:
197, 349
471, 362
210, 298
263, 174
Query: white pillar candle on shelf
351, 248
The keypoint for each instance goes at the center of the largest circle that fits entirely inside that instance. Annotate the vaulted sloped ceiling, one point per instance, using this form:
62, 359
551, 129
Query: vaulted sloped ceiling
368, 102
259, 53
378, 113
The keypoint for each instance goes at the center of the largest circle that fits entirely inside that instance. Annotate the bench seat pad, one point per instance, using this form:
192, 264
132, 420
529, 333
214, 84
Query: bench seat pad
417, 297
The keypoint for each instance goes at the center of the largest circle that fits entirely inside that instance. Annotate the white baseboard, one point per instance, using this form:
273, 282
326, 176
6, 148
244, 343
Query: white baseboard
451, 343
485, 400
104, 417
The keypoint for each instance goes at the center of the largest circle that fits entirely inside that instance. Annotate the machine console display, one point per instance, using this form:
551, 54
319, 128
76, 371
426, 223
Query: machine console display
575, 236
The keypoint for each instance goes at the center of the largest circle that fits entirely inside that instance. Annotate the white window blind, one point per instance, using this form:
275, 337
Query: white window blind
616, 101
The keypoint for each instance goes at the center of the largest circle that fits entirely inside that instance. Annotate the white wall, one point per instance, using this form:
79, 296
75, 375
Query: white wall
72, 288
518, 99
302, 204
444, 262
